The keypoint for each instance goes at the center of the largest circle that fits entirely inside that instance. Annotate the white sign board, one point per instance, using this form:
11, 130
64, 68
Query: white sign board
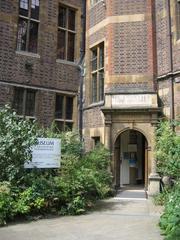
46, 154
131, 100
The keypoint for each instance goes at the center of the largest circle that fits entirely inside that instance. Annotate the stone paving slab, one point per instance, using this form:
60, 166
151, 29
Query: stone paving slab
112, 220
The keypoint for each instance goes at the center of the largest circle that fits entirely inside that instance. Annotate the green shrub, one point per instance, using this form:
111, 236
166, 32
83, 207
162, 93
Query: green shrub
167, 150
73, 189
16, 138
161, 198
168, 161
7, 204
170, 220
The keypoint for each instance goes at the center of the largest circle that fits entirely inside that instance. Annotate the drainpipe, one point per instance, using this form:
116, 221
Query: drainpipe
81, 69
171, 63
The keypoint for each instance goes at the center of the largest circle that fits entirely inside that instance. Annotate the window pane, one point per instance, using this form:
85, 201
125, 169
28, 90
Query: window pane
62, 17
30, 103
33, 37
61, 51
94, 87
69, 107
71, 42
22, 34
59, 106
60, 125
101, 85
71, 19
18, 100
94, 59
101, 56
35, 9
23, 7
68, 126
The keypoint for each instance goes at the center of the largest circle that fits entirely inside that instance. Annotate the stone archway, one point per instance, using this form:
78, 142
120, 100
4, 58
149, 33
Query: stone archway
131, 165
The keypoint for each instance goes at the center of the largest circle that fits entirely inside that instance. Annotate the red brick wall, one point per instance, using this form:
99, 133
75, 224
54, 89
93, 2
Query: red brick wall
45, 72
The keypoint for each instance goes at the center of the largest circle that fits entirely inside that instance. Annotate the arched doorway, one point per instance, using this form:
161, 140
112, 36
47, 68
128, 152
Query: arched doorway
131, 159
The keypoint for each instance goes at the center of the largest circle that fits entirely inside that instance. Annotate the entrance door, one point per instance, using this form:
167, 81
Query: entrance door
130, 163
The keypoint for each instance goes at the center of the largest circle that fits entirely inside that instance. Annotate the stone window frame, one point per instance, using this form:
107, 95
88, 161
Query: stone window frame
30, 19
22, 100
97, 73
67, 31
177, 13
62, 122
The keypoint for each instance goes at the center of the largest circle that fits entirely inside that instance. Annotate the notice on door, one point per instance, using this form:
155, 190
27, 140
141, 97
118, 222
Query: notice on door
46, 154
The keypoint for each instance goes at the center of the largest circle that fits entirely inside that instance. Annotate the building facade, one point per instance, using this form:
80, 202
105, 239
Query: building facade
127, 57
132, 73
168, 57
40, 43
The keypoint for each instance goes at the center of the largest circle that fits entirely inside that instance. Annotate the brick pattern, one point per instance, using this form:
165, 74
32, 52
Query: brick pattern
121, 7
163, 41
97, 14
128, 52
164, 96
129, 87
45, 107
93, 118
97, 36
45, 71
5, 95
163, 54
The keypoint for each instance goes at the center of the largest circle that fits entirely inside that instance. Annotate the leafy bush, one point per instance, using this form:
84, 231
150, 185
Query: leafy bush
16, 138
167, 150
161, 198
7, 210
170, 220
168, 160
81, 180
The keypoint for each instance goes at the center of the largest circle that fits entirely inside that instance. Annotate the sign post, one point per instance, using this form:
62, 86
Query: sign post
46, 154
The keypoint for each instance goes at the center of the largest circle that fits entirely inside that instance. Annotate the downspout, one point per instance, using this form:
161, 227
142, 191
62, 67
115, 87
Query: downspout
81, 69
171, 63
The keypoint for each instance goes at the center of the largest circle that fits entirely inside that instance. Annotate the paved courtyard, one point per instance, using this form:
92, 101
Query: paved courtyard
128, 216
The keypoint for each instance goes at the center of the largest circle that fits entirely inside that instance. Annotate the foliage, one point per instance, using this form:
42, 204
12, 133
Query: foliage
161, 198
168, 160
16, 137
81, 180
7, 210
168, 150
170, 220
70, 141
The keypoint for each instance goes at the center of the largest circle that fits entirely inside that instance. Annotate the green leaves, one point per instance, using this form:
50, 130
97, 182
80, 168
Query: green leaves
82, 179
16, 137
168, 150
170, 220
168, 160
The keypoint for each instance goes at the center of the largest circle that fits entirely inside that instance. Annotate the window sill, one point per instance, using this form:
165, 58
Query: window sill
28, 54
63, 120
97, 104
27, 117
66, 62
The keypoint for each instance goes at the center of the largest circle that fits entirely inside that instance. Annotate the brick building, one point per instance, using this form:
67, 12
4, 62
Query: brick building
132, 68
40, 43
168, 56
129, 82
